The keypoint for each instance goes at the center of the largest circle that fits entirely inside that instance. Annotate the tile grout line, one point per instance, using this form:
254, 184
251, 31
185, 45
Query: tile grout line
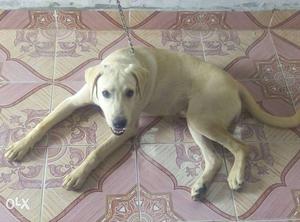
231, 191
271, 20
282, 72
202, 43
51, 107
277, 57
223, 154
135, 144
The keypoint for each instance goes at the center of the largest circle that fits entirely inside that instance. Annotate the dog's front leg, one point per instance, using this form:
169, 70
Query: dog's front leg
18, 150
77, 177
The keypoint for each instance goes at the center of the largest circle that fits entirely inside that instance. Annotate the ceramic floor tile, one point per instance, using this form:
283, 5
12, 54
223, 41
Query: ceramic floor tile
142, 19
271, 185
261, 18
271, 95
111, 186
286, 19
287, 44
166, 173
99, 20
167, 130
27, 19
27, 55
188, 41
243, 54
14, 19
23, 106
195, 20
21, 186
86, 126
78, 49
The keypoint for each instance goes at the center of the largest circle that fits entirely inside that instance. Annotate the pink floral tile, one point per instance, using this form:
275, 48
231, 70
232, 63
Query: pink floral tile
112, 186
103, 20
293, 86
286, 19
271, 183
195, 20
167, 130
249, 129
86, 126
90, 19
23, 106
166, 173
78, 49
27, 55
21, 186
244, 54
261, 18
287, 46
14, 19
187, 41
272, 96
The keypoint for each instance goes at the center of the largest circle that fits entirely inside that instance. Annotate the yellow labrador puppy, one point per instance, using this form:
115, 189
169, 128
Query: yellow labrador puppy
161, 83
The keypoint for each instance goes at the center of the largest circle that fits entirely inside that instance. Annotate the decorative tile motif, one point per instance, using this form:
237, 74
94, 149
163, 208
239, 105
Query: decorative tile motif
267, 172
42, 20
270, 77
29, 42
200, 20
69, 20
86, 126
195, 20
32, 49
77, 48
21, 186
60, 204
225, 47
293, 86
154, 207
157, 162
43, 56
182, 40
21, 111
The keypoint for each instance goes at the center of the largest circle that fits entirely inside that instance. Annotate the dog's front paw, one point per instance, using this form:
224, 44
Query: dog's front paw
236, 178
18, 150
75, 179
198, 191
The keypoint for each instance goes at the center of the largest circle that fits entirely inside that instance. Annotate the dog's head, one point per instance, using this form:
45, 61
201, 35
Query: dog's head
118, 90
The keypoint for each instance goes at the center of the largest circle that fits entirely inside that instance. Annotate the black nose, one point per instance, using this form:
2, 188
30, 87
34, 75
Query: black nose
119, 122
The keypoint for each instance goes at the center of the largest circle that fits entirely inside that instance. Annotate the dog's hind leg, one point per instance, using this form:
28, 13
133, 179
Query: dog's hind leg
18, 150
219, 134
212, 165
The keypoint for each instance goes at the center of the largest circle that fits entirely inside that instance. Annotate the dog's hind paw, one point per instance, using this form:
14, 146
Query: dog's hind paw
236, 179
198, 192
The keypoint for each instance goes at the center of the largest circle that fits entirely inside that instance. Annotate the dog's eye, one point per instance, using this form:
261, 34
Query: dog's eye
129, 93
106, 94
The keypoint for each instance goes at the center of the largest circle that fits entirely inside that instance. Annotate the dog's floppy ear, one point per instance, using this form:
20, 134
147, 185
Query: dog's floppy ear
91, 75
141, 75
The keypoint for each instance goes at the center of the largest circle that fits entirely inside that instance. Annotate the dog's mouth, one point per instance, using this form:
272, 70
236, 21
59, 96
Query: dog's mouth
117, 131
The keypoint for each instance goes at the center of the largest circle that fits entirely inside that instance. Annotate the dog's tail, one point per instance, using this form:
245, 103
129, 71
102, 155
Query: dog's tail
261, 115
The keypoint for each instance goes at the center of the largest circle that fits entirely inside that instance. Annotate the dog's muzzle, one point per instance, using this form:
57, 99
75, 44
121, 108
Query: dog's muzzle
118, 132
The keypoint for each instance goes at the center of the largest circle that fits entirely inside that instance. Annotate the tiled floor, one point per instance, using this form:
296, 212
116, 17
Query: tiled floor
43, 55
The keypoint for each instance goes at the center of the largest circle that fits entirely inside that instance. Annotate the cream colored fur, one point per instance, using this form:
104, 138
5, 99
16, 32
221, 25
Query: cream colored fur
164, 83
